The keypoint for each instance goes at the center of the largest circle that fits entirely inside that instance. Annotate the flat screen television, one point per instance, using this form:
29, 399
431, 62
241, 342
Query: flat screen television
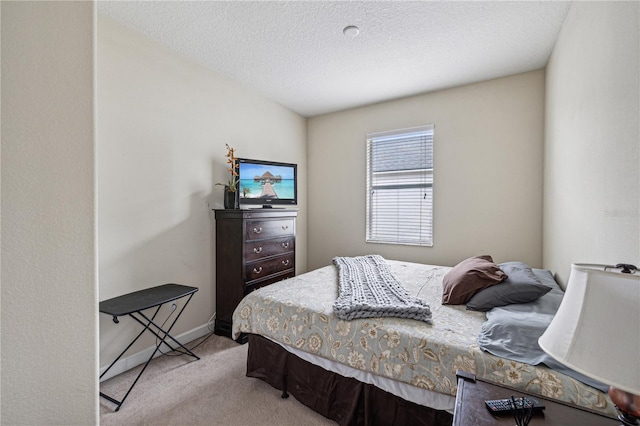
267, 183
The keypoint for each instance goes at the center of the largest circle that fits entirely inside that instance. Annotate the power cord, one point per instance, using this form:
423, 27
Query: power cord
211, 321
430, 276
178, 351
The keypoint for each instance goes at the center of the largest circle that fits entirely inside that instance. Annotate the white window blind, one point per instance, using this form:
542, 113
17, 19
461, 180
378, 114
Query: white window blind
400, 186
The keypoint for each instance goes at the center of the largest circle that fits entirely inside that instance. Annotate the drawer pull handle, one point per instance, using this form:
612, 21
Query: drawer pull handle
257, 230
285, 262
285, 227
257, 270
257, 250
285, 245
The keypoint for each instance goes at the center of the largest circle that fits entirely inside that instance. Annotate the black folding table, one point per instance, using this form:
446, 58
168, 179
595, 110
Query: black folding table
133, 304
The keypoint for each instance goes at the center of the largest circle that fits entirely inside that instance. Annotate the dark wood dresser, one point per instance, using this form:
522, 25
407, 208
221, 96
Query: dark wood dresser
254, 248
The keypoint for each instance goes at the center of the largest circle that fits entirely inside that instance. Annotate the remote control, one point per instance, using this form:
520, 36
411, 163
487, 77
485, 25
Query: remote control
502, 406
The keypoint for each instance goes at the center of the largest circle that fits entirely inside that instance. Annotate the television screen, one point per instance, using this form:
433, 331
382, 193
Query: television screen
267, 182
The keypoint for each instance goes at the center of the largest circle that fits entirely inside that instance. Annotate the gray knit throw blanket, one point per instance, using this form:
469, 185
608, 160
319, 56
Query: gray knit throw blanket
368, 289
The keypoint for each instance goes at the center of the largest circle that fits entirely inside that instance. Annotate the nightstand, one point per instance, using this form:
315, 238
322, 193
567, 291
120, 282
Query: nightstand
470, 409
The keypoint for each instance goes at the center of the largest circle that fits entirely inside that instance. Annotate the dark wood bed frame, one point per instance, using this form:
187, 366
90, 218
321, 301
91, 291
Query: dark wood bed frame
342, 399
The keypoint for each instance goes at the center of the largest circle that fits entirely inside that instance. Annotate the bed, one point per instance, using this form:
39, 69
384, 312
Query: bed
368, 368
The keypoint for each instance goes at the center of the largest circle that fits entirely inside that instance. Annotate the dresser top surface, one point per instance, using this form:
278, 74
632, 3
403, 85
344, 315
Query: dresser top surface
253, 213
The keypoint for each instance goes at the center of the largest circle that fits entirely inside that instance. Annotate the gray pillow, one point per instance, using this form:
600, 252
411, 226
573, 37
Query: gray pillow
512, 331
522, 286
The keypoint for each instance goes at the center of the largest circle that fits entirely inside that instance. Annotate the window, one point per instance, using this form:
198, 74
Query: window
400, 186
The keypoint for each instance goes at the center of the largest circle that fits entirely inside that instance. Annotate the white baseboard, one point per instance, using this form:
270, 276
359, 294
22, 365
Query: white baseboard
141, 357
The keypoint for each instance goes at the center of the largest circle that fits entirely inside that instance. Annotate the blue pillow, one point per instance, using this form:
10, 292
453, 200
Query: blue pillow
512, 331
521, 286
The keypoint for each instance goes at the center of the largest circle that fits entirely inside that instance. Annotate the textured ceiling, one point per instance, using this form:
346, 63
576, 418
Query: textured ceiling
295, 52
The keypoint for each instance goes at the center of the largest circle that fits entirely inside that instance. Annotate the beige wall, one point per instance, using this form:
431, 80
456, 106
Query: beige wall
592, 139
49, 288
487, 173
162, 125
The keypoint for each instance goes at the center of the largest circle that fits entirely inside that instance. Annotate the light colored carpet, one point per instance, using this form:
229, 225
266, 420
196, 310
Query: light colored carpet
178, 390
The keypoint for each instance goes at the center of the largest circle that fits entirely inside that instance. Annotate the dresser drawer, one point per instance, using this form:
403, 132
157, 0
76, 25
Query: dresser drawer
254, 285
255, 250
262, 229
264, 268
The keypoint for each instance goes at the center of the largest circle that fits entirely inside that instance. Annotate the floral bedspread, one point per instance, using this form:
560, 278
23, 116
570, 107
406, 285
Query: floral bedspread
298, 312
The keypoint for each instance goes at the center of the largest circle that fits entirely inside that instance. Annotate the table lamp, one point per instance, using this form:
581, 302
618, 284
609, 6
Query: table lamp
596, 332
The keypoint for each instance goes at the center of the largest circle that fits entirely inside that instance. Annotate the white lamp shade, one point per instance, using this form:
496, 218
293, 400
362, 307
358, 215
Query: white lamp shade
596, 330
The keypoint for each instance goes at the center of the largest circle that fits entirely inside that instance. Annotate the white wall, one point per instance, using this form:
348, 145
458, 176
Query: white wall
162, 125
49, 288
592, 139
487, 173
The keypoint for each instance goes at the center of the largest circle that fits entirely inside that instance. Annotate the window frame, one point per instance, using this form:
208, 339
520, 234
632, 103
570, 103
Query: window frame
423, 217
